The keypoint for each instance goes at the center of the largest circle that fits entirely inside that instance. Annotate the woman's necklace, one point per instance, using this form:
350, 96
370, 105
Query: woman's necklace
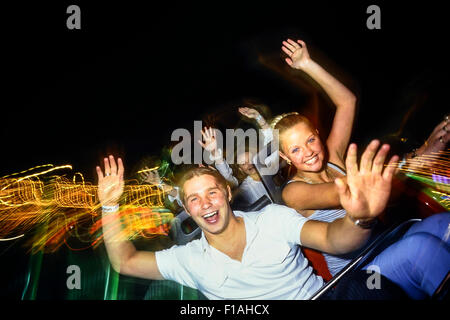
329, 173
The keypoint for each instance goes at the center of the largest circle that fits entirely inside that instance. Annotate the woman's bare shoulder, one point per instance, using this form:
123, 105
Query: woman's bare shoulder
292, 188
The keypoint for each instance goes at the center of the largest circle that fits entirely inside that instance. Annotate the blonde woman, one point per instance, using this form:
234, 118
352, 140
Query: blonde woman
320, 166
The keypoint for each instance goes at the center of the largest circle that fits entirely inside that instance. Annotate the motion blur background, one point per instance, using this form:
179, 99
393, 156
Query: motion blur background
134, 73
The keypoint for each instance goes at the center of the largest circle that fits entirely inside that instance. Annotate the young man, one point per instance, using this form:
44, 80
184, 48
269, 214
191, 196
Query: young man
252, 255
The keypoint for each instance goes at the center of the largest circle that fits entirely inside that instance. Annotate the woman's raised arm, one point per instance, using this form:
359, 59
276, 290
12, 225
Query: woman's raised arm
342, 97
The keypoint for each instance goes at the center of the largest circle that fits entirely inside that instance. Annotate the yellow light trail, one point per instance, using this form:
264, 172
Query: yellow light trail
146, 170
64, 206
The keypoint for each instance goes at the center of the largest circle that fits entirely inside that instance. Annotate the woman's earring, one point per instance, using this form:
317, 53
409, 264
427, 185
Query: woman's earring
288, 162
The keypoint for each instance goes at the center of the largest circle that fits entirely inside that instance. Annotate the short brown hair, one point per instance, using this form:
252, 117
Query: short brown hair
197, 172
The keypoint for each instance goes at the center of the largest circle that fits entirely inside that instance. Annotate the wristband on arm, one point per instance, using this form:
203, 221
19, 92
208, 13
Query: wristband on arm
108, 209
218, 155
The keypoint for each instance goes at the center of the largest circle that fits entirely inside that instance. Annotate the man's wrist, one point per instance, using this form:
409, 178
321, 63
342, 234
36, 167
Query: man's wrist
110, 208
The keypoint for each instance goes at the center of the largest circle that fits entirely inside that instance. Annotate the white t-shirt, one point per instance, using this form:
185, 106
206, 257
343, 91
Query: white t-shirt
272, 266
252, 190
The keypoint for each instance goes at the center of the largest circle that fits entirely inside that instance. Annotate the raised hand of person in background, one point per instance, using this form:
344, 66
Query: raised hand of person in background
110, 184
298, 55
254, 114
249, 112
210, 144
201, 165
365, 193
438, 139
150, 176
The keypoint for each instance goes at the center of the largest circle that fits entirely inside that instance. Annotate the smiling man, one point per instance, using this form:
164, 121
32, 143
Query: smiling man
256, 255
207, 195
241, 255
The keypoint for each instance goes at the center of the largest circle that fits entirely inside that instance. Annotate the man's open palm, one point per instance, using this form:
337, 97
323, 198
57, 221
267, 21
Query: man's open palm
367, 189
110, 184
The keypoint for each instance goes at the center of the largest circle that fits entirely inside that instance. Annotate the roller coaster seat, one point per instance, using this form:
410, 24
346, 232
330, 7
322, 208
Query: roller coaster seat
383, 241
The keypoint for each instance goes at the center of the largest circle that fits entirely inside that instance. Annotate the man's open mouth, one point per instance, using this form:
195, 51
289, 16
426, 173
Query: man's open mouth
212, 216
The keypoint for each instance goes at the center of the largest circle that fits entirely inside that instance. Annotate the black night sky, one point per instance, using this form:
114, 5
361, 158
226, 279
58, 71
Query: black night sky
135, 72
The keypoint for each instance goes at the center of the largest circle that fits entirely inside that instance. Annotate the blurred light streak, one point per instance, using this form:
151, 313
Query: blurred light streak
13, 238
433, 172
70, 210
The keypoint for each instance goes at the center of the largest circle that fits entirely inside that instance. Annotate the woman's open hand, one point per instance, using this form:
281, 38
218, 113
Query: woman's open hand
298, 55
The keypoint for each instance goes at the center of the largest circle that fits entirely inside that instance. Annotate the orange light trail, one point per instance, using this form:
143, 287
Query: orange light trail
437, 163
66, 206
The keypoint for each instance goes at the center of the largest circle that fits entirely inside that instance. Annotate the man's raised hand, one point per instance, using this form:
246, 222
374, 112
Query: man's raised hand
110, 183
366, 192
